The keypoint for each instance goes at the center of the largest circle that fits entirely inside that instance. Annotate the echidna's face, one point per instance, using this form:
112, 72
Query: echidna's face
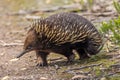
30, 43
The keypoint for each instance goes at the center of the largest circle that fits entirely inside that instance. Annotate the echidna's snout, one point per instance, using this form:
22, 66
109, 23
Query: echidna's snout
23, 52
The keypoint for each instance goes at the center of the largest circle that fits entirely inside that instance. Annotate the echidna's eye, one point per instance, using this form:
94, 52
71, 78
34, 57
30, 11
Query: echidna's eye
29, 47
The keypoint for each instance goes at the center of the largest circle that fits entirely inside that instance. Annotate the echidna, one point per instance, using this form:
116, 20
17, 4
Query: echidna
61, 33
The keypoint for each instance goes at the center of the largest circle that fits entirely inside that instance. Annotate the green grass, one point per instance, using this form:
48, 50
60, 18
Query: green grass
117, 6
111, 30
97, 59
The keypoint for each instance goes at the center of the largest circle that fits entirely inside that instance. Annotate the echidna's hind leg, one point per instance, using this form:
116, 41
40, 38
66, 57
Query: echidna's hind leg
41, 58
82, 54
70, 55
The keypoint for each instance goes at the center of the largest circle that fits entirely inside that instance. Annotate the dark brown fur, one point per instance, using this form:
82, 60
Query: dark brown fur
61, 33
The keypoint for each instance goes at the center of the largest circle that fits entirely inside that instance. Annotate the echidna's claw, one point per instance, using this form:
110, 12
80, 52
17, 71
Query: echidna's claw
41, 64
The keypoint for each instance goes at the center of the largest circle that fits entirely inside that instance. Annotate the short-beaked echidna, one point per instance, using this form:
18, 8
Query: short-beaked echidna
61, 33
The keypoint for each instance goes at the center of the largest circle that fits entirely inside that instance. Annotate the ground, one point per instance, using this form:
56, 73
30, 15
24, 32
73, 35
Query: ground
13, 29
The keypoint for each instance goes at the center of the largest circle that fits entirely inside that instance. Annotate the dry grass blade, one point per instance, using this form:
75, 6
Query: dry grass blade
93, 65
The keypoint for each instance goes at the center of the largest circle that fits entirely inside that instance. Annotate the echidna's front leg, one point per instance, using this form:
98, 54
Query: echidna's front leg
70, 58
41, 58
82, 54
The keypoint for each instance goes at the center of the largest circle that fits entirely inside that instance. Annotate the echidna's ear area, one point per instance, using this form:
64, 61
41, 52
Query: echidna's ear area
30, 29
38, 27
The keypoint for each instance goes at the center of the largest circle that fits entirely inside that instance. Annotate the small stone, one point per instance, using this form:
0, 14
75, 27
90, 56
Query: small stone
110, 8
43, 78
5, 78
2, 53
23, 69
48, 1
15, 59
103, 78
96, 8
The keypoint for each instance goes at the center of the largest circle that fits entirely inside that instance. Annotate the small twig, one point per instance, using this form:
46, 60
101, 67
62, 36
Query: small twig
93, 65
73, 6
59, 58
85, 73
98, 14
115, 65
4, 44
111, 74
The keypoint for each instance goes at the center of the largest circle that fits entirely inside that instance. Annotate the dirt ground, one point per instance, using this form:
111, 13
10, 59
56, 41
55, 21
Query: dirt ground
13, 29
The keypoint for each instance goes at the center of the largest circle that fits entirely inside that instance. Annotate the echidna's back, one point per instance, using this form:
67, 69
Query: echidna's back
70, 28
71, 20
